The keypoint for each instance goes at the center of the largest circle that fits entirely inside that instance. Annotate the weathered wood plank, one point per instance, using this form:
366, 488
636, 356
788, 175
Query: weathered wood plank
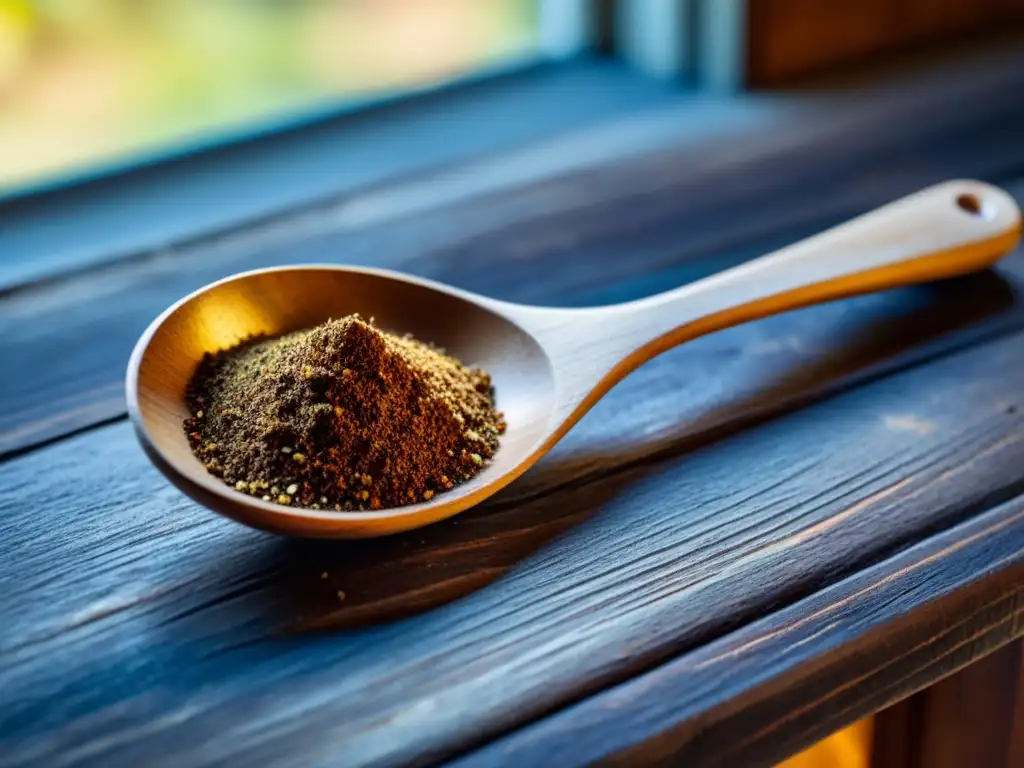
140, 629
778, 685
607, 234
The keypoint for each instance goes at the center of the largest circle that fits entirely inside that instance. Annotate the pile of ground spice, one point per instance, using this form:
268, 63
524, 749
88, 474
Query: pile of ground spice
342, 416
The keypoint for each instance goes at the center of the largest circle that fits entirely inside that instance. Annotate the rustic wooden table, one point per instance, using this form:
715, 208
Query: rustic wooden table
752, 541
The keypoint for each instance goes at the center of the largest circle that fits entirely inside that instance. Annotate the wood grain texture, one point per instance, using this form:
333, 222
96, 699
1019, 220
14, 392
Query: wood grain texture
139, 628
778, 685
609, 234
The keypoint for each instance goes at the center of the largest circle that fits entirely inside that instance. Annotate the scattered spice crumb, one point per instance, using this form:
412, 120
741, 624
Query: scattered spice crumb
341, 594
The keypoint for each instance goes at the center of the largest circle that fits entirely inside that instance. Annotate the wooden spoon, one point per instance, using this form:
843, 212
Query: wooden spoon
549, 366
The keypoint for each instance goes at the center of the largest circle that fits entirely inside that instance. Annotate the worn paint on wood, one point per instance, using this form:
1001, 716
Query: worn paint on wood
757, 695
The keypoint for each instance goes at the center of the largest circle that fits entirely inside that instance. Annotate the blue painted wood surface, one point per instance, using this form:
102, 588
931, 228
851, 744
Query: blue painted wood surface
748, 523
138, 627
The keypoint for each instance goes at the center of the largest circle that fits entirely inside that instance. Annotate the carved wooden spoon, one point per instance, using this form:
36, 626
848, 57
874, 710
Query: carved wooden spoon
549, 366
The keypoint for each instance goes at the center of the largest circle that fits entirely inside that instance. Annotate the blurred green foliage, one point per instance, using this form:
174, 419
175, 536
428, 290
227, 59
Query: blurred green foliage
87, 81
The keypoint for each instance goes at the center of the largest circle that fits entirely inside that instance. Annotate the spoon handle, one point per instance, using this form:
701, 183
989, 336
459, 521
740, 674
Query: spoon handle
949, 229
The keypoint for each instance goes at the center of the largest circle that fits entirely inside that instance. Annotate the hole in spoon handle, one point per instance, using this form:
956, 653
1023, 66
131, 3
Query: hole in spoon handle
972, 204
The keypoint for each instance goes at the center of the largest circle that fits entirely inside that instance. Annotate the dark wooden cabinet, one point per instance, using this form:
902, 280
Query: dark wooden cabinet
790, 38
973, 719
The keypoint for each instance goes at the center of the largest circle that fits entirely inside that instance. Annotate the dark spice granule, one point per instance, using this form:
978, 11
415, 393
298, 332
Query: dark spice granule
343, 416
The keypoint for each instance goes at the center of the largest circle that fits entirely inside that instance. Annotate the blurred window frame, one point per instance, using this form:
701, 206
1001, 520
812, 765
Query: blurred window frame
598, 61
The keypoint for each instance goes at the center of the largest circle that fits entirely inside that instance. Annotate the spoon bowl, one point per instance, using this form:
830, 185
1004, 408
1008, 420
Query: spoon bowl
549, 366
279, 300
